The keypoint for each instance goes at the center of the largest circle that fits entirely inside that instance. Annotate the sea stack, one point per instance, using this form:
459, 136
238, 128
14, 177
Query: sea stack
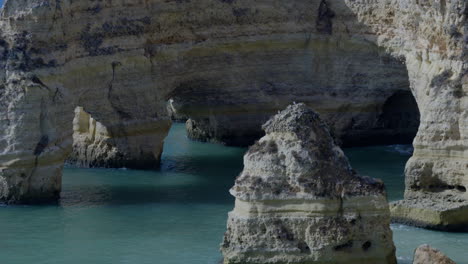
299, 201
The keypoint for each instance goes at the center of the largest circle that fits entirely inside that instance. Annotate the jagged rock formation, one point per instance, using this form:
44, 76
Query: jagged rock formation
94, 146
122, 60
428, 255
89, 141
299, 201
432, 38
55, 59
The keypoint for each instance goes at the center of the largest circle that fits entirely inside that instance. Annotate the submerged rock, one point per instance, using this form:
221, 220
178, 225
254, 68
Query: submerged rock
428, 255
299, 201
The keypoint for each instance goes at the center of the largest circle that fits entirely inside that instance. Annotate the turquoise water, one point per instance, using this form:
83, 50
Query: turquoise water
173, 216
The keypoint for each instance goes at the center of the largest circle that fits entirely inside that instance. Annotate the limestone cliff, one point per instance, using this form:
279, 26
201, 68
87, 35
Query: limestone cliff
432, 38
122, 60
324, 60
299, 201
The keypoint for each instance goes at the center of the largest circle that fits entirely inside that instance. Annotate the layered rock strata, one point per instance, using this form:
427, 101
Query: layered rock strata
374, 116
95, 146
57, 55
428, 255
299, 201
122, 60
431, 36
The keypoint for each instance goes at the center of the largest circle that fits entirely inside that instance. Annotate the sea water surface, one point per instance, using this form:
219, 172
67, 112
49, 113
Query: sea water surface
173, 216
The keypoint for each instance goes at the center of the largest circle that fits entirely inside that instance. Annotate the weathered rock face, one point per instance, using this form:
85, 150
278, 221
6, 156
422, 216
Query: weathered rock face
324, 61
432, 37
388, 119
427, 255
54, 59
94, 146
122, 60
299, 201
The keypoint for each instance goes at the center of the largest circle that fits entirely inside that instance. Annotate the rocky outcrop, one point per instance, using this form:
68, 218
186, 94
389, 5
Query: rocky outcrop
89, 141
94, 146
432, 38
54, 60
299, 201
344, 76
428, 255
122, 60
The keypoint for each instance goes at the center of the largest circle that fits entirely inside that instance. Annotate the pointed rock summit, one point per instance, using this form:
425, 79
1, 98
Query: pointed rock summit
299, 201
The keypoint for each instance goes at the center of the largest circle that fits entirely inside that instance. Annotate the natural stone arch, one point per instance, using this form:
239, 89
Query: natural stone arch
49, 73
229, 102
123, 67
431, 36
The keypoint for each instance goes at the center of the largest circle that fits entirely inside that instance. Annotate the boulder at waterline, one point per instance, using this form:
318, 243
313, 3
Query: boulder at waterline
425, 254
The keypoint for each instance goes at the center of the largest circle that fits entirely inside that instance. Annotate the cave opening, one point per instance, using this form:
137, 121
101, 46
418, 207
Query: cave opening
400, 113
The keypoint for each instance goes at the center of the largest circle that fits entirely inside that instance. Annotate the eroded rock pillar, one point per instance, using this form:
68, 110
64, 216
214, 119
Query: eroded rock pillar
137, 144
299, 201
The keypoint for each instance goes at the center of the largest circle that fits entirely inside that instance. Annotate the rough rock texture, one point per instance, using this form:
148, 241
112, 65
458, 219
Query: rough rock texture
432, 37
427, 255
53, 60
299, 201
382, 119
388, 119
94, 146
122, 60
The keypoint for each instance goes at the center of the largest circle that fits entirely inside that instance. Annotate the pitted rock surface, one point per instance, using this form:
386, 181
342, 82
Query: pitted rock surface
299, 201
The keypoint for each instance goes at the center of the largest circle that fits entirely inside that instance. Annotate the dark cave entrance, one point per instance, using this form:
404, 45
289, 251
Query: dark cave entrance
397, 123
400, 117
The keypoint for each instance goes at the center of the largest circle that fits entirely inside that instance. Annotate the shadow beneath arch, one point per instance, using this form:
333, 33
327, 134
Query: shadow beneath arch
190, 173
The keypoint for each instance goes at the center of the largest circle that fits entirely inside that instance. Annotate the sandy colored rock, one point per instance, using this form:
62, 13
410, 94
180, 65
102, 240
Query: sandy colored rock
431, 37
428, 255
94, 146
299, 201
121, 61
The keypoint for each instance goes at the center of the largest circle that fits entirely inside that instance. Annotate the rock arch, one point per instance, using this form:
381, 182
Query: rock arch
431, 36
124, 66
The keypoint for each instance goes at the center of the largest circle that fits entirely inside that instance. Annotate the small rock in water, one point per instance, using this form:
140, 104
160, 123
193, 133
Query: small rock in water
425, 254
